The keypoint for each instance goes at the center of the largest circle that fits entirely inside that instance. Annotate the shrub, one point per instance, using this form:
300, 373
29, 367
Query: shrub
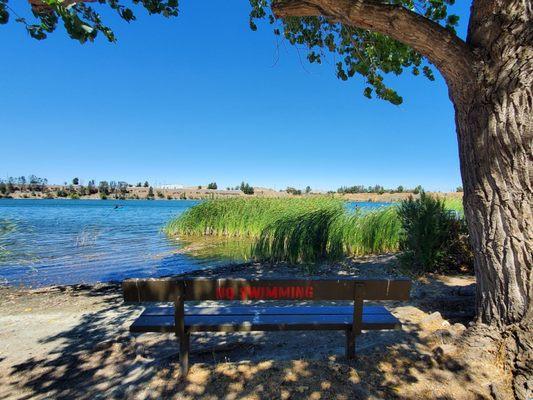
246, 188
212, 185
103, 196
74, 196
150, 195
433, 238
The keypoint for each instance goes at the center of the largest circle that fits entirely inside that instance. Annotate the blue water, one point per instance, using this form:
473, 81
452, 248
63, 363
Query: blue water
87, 241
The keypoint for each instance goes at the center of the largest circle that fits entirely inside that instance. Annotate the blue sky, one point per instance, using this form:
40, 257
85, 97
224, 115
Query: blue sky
202, 98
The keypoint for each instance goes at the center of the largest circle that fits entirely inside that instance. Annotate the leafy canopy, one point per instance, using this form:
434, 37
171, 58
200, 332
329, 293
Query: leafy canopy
356, 51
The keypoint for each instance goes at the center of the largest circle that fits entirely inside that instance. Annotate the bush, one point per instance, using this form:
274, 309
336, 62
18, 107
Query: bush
433, 239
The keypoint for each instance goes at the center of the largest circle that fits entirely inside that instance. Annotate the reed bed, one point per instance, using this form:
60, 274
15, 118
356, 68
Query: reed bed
454, 204
297, 230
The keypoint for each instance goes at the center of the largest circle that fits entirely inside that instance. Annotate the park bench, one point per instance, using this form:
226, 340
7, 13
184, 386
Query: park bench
183, 319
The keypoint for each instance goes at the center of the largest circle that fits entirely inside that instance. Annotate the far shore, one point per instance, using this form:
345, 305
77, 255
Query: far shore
142, 193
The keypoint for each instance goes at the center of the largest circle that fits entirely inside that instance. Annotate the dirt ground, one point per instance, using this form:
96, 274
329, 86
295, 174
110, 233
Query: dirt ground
73, 342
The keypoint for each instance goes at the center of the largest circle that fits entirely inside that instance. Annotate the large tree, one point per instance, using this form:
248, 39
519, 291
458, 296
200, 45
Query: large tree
489, 76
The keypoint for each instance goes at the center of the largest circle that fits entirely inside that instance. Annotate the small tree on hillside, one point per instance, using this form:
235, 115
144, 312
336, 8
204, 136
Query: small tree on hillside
103, 187
75, 181
212, 185
246, 188
150, 194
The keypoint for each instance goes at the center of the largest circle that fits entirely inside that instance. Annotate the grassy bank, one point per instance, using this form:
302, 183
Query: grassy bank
294, 229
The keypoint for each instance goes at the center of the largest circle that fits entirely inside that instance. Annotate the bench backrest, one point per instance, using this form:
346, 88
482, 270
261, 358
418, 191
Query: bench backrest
197, 289
181, 290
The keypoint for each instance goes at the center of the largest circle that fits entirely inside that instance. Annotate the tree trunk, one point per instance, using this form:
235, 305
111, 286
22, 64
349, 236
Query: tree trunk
495, 133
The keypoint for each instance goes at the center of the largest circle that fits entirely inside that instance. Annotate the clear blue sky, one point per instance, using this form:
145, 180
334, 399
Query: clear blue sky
202, 98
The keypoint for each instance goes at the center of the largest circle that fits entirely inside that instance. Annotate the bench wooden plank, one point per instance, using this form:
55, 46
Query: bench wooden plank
263, 322
199, 289
272, 310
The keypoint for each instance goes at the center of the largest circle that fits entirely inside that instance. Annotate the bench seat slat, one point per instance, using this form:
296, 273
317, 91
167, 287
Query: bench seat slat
265, 322
262, 310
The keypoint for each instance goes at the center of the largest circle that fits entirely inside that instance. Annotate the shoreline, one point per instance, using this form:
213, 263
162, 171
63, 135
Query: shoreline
207, 194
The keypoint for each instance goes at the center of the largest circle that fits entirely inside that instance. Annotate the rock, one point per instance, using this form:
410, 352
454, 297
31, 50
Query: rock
442, 336
432, 321
458, 328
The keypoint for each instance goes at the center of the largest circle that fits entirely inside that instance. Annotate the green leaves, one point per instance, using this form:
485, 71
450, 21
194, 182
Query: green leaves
4, 15
81, 20
358, 51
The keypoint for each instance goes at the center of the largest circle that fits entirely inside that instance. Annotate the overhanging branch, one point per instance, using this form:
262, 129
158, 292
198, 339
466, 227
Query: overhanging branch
451, 55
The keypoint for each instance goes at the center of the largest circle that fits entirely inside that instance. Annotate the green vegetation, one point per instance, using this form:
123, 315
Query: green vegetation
454, 204
299, 230
293, 191
310, 229
212, 185
246, 188
150, 195
433, 238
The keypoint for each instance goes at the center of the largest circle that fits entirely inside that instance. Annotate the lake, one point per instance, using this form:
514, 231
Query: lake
85, 241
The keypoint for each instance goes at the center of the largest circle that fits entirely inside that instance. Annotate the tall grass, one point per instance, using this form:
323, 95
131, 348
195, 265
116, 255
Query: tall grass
368, 232
298, 230
242, 217
454, 204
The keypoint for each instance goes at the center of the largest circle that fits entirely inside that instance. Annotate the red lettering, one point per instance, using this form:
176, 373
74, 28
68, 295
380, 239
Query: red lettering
309, 292
271, 292
257, 293
245, 292
230, 293
299, 292
284, 292
225, 293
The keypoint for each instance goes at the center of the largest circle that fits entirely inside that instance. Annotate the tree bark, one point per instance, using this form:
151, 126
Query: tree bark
490, 78
495, 134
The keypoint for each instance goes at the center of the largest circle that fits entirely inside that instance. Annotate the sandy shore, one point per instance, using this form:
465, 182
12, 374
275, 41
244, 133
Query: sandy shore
73, 342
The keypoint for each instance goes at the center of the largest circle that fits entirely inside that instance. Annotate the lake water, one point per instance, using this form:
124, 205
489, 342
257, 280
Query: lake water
87, 241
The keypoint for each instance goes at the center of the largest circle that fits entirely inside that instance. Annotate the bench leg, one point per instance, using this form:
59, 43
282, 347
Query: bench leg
184, 353
350, 344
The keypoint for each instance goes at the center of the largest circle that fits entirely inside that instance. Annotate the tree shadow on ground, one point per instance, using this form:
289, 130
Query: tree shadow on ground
98, 358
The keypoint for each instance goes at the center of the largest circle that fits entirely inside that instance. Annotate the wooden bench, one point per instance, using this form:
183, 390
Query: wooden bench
183, 319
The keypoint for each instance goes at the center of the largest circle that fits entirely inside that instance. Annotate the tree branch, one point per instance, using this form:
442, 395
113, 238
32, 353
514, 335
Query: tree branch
451, 55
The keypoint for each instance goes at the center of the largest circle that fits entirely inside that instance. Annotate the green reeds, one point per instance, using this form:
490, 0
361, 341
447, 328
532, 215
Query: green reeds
454, 204
297, 230
369, 232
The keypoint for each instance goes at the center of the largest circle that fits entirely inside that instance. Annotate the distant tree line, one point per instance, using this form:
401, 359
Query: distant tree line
30, 183
377, 189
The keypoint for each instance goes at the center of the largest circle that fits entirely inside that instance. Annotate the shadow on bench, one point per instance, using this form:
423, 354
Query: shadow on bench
183, 319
